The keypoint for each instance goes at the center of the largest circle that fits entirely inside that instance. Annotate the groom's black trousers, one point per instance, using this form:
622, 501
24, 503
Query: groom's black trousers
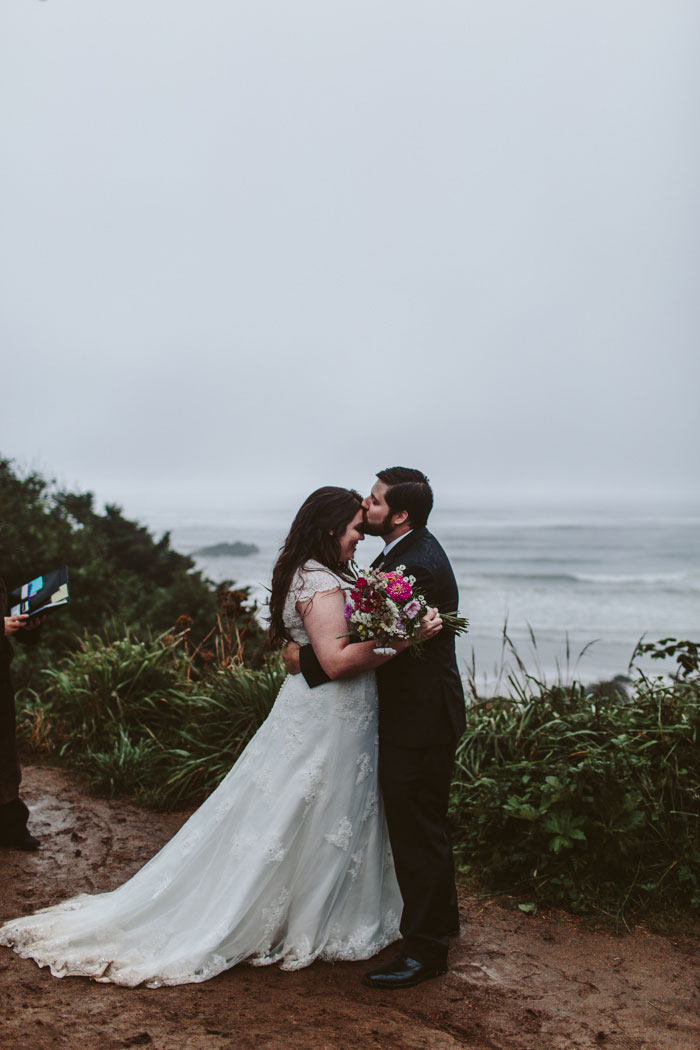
415, 785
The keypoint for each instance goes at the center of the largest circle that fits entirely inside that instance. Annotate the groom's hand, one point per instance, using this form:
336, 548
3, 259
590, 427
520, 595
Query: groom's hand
290, 655
430, 625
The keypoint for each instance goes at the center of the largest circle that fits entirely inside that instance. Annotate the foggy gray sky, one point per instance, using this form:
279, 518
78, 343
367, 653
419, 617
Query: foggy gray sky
275, 245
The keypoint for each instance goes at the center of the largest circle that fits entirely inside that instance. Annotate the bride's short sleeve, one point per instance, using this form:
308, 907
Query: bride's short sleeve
310, 579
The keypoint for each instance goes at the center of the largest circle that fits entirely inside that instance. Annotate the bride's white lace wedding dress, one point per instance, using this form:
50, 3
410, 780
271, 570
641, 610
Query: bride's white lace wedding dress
287, 861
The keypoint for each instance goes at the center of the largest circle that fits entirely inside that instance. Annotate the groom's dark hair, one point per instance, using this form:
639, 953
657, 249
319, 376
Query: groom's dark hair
409, 490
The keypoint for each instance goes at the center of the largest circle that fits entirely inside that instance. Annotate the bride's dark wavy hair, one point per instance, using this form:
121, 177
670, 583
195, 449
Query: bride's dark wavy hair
320, 520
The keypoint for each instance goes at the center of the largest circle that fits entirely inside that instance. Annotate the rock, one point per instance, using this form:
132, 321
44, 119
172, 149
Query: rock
230, 550
618, 688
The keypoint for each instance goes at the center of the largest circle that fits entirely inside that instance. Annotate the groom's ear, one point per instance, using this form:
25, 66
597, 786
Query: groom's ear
400, 518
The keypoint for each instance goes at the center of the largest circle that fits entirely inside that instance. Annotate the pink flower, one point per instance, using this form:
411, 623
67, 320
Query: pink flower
412, 609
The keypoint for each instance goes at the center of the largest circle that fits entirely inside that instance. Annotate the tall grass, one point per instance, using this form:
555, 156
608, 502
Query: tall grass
575, 796
135, 718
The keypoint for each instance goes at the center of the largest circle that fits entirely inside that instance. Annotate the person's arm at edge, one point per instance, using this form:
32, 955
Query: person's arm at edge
327, 629
310, 667
21, 629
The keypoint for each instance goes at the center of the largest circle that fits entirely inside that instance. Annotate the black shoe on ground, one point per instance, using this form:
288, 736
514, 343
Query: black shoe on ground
403, 972
22, 841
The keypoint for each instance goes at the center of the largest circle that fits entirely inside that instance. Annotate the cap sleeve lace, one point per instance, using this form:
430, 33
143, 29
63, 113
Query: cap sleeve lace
311, 578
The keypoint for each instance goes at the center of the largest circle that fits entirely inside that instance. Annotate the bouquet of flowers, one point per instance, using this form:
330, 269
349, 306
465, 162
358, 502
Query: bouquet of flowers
385, 605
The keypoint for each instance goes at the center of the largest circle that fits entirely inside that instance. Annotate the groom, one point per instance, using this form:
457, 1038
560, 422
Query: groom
421, 718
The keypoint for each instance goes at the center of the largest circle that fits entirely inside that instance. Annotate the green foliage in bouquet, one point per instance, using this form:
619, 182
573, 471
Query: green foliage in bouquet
580, 797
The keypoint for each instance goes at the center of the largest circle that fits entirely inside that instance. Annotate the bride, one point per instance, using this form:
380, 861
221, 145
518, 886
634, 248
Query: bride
288, 860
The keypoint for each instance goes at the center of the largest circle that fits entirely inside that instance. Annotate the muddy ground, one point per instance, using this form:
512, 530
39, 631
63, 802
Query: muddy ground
516, 982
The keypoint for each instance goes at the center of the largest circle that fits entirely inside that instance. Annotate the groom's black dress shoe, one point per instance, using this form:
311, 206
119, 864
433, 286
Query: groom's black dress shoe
403, 972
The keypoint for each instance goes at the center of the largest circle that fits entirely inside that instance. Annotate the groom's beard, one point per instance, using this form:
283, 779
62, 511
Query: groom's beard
382, 529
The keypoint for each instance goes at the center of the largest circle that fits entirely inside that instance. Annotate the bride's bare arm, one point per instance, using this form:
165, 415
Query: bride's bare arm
324, 621
325, 624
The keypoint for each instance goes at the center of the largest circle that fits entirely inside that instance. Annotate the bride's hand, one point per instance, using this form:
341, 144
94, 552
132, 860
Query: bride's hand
290, 656
430, 625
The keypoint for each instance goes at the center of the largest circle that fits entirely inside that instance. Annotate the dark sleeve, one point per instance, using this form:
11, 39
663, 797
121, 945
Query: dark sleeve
436, 583
425, 584
310, 667
27, 638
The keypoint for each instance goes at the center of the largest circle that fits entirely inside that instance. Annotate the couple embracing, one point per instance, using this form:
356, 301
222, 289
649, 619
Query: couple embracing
328, 838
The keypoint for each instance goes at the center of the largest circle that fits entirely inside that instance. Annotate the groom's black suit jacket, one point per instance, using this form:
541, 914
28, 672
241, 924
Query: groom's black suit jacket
421, 700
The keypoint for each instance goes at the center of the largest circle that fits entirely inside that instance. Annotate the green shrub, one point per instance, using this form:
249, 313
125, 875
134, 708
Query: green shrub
123, 769
585, 800
215, 726
119, 573
144, 718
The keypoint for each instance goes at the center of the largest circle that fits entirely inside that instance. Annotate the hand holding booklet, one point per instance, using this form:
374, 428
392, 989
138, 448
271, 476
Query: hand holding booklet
41, 594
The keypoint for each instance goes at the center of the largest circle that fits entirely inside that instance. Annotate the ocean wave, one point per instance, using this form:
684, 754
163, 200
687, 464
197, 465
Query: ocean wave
673, 580
653, 579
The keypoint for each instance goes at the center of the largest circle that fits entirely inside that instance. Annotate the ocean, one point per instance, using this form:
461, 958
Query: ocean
571, 578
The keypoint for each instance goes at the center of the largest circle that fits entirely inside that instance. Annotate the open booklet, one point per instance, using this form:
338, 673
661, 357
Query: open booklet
45, 592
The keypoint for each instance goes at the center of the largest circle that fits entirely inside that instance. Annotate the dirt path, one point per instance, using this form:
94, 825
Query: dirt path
516, 982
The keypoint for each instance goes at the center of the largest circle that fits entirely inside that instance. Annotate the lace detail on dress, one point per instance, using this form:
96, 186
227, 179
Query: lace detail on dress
371, 806
357, 859
364, 768
240, 846
311, 578
274, 915
313, 781
363, 941
342, 835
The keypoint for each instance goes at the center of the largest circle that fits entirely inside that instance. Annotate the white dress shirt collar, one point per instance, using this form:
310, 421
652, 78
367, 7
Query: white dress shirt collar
394, 542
